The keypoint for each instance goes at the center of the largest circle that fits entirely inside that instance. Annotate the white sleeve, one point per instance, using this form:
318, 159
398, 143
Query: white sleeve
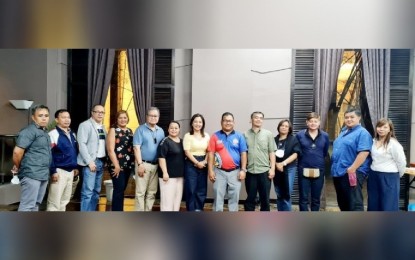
398, 156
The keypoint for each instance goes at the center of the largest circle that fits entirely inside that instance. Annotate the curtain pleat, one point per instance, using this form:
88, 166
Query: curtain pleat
141, 67
376, 73
327, 67
100, 67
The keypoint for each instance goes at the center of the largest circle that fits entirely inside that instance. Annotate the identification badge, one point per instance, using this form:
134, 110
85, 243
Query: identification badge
279, 153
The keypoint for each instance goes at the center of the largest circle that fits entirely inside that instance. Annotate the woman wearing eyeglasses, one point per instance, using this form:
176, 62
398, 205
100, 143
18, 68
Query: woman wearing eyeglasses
311, 163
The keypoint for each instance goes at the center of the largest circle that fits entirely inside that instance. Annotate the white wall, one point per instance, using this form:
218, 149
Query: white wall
33, 74
223, 80
57, 79
183, 88
22, 76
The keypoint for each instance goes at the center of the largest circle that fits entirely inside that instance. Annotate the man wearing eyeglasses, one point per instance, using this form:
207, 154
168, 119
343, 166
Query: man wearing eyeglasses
91, 140
229, 147
146, 140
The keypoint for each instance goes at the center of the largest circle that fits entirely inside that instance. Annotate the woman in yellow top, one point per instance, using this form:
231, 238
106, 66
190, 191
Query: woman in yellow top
195, 144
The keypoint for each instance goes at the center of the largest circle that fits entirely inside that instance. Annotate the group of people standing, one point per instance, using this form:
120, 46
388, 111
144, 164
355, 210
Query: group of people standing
226, 158
357, 156
259, 158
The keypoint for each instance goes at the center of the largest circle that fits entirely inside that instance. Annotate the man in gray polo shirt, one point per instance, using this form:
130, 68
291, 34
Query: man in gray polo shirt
261, 163
32, 157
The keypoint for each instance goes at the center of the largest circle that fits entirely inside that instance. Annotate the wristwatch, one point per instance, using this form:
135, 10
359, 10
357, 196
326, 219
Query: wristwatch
244, 170
284, 163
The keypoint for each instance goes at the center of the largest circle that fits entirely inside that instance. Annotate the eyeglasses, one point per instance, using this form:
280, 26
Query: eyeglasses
99, 112
154, 116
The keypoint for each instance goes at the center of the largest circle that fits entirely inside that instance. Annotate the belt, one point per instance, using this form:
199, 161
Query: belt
229, 170
151, 162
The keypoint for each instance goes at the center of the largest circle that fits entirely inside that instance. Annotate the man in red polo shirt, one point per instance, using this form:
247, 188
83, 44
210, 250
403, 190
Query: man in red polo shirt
230, 149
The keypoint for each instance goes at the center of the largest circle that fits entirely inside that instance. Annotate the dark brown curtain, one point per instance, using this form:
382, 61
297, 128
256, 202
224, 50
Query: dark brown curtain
141, 67
100, 67
376, 73
327, 66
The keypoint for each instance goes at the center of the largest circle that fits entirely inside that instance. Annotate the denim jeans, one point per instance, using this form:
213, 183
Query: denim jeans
383, 191
257, 183
32, 193
310, 186
284, 185
91, 186
195, 185
119, 184
226, 181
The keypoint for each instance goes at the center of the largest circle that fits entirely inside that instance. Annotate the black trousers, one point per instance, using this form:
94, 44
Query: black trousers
349, 198
257, 183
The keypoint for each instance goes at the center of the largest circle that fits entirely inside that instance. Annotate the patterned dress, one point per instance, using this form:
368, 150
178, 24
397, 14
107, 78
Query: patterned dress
124, 149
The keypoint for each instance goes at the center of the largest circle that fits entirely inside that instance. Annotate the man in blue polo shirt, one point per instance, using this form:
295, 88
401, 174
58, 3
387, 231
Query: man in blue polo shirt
146, 140
32, 158
351, 159
230, 149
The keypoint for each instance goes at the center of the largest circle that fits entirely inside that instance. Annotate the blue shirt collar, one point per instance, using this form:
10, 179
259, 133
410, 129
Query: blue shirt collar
223, 132
346, 130
156, 126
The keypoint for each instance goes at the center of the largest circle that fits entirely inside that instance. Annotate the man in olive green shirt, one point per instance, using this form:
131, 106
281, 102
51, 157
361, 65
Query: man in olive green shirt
261, 163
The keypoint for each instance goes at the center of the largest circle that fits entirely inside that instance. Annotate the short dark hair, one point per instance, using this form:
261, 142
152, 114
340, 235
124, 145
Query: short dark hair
313, 115
227, 114
174, 122
38, 107
202, 130
355, 110
94, 106
290, 126
257, 112
60, 111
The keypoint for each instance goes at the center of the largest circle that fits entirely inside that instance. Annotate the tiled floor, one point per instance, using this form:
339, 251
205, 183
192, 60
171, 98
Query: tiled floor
129, 206
74, 205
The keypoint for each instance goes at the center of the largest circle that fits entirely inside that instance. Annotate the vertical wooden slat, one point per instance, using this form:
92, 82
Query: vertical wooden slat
400, 108
302, 97
163, 94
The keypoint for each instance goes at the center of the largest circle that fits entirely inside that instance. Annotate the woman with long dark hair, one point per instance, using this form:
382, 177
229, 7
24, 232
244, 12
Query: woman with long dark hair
195, 145
388, 165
